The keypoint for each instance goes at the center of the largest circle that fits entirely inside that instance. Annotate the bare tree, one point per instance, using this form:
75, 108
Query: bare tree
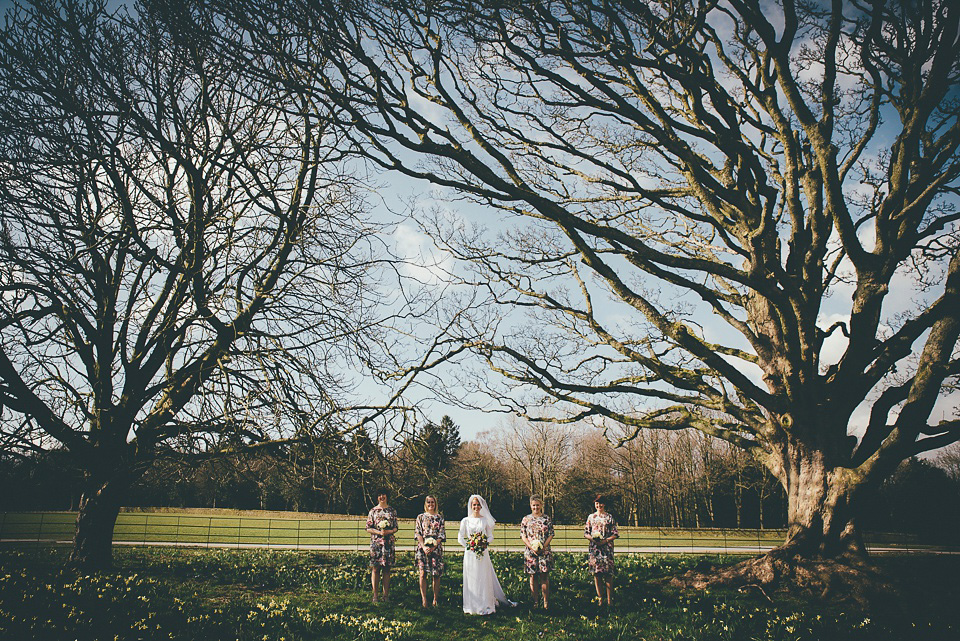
185, 261
541, 453
590, 473
483, 472
677, 478
787, 168
948, 459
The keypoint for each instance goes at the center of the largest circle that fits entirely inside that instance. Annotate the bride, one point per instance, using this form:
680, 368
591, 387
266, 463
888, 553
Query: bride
481, 589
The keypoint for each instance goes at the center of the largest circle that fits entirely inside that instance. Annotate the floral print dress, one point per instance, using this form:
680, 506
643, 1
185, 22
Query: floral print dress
382, 549
537, 528
601, 554
430, 562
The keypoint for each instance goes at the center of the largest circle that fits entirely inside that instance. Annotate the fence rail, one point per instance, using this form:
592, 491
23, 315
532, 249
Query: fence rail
348, 533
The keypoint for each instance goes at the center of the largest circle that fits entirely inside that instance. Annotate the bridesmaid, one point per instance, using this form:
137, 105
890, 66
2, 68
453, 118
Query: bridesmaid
536, 532
429, 555
382, 525
601, 530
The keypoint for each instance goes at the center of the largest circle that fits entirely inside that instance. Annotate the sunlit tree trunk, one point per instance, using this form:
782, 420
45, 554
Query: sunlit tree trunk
820, 520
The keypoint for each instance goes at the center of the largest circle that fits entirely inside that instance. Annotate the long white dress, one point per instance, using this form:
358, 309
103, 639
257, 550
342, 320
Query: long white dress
481, 589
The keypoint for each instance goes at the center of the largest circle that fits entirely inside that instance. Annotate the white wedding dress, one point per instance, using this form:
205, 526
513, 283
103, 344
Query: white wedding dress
481, 589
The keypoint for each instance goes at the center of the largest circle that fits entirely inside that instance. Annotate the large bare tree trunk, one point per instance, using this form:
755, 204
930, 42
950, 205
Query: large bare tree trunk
93, 537
819, 507
823, 554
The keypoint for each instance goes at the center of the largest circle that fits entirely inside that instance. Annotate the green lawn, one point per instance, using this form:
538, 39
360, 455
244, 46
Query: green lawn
274, 595
306, 532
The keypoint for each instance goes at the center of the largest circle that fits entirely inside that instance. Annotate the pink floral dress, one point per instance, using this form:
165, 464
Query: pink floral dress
382, 549
430, 562
537, 528
601, 554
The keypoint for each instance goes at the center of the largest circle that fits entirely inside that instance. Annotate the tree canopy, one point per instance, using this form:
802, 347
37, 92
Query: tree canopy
186, 261
738, 217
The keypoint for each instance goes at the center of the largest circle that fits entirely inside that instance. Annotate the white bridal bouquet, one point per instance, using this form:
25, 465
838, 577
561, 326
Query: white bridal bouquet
597, 535
536, 546
430, 542
384, 524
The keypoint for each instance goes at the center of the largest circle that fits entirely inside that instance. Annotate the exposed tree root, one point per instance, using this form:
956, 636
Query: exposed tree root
851, 582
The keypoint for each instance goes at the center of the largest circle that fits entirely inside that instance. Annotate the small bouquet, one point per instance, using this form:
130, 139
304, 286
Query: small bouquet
536, 546
597, 535
429, 542
383, 525
477, 543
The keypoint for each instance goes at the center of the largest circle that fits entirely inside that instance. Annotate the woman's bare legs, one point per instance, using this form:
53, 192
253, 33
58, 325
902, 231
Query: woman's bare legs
540, 589
607, 580
375, 583
423, 588
386, 584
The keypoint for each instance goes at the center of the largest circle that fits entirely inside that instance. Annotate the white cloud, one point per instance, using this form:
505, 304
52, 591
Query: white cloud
422, 260
836, 344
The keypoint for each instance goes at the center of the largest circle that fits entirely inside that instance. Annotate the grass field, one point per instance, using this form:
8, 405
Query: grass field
280, 595
230, 529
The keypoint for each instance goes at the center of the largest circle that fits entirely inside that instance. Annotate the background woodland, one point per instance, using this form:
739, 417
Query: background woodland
666, 479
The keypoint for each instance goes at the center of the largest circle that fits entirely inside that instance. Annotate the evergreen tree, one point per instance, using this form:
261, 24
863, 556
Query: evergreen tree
436, 446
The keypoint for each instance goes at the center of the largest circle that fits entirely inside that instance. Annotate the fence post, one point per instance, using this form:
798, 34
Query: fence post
209, 527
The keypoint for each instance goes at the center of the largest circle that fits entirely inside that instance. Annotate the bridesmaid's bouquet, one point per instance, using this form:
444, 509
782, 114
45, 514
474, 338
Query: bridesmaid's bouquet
597, 535
430, 542
536, 546
383, 525
477, 543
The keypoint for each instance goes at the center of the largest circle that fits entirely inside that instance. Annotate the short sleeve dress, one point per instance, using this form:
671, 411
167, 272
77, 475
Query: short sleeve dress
382, 549
431, 562
601, 554
537, 528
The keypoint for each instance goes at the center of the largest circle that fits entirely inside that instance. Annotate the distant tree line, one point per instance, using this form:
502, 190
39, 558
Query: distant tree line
668, 479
